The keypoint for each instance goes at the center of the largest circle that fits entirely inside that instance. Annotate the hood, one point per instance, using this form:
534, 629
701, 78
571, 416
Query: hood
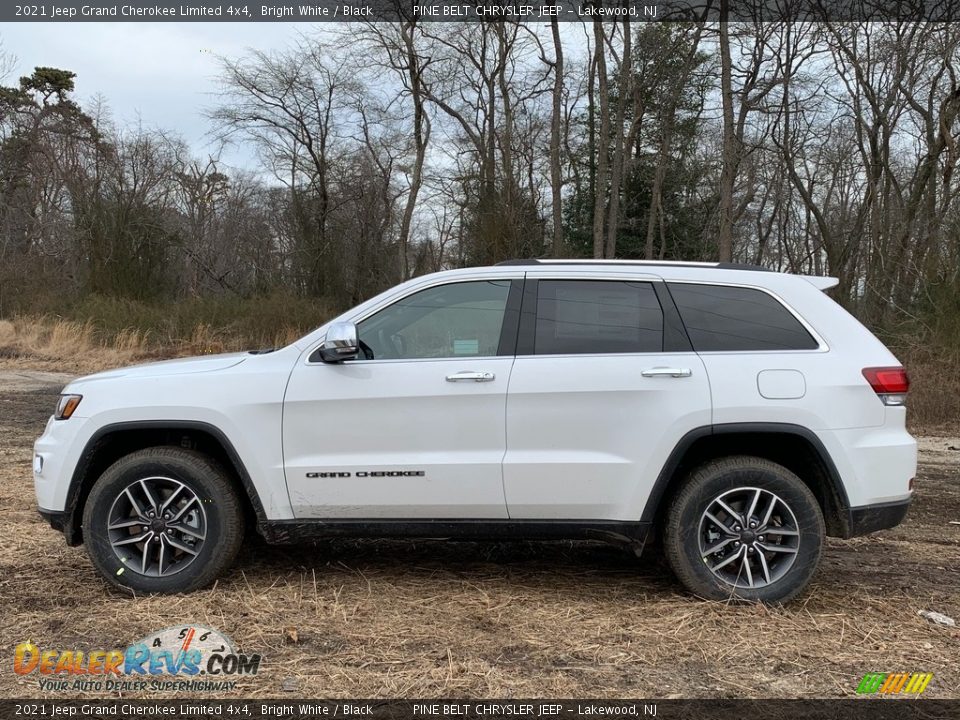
181, 366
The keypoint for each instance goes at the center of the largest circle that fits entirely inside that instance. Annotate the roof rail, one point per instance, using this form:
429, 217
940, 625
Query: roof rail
667, 263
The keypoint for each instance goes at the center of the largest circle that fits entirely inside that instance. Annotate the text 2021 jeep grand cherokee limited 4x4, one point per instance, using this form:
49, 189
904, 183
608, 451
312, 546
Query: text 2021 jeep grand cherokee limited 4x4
739, 414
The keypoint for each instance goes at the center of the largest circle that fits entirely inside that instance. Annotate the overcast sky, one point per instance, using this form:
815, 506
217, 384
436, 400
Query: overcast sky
163, 73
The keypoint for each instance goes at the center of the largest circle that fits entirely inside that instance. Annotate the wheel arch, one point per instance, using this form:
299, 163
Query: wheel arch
795, 447
112, 442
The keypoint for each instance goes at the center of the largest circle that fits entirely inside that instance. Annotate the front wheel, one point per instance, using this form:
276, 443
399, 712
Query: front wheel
746, 528
164, 520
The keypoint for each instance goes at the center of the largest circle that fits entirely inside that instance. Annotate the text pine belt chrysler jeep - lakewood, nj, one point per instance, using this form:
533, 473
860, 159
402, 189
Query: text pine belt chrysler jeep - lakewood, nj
737, 415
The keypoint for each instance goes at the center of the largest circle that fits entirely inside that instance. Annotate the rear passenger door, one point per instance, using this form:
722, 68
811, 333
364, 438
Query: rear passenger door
604, 386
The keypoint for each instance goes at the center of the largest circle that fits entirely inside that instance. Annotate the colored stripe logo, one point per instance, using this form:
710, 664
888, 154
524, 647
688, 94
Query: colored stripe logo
894, 683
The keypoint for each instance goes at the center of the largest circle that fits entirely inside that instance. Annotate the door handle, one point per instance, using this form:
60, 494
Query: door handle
470, 375
666, 372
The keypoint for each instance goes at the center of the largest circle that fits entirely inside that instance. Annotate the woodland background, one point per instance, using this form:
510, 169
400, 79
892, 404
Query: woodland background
388, 150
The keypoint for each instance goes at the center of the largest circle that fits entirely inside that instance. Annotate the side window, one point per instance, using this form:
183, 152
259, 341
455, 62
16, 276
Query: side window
590, 316
456, 320
735, 318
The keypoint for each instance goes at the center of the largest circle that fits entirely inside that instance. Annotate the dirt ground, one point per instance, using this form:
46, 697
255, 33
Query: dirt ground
489, 620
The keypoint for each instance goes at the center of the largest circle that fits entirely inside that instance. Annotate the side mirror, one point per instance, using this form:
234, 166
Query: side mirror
341, 343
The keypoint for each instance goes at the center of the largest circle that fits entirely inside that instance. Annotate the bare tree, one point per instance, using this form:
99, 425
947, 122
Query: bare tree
601, 184
397, 43
556, 121
292, 106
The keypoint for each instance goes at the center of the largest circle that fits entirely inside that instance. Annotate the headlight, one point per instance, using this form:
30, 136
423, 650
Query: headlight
66, 405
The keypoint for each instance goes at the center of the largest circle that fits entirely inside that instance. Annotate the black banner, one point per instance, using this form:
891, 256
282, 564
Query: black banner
860, 709
476, 10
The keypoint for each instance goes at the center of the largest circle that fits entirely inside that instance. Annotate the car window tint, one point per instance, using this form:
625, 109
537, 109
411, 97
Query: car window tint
454, 320
718, 317
589, 316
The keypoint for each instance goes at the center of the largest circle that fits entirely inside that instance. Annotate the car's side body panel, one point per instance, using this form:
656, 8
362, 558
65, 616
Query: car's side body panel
574, 438
395, 439
586, 435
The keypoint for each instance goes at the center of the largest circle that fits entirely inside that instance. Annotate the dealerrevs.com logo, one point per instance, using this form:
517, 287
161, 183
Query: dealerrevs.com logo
170, 659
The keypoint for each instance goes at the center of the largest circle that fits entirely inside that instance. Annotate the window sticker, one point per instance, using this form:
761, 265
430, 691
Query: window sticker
466, 347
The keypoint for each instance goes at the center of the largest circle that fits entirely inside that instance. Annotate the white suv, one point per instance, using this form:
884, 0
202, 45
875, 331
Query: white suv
738, 415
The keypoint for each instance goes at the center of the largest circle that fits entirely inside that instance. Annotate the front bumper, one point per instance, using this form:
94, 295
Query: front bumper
63, 521
881, 516
56, 518
55, 454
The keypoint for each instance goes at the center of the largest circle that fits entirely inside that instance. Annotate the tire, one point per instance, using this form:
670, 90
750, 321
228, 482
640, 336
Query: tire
771, 563
203, 512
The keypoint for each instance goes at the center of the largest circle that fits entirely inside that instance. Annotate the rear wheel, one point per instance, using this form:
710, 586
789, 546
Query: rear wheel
744, 527
162, 520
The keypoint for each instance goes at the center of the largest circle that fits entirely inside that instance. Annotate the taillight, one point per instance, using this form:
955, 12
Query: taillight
889, 383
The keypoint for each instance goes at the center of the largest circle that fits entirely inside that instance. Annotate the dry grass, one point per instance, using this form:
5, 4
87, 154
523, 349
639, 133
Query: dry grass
65, 345
441, 619
934, 394
70, 346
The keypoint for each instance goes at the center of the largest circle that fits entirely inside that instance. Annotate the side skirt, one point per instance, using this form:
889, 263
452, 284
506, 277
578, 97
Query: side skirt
633, 534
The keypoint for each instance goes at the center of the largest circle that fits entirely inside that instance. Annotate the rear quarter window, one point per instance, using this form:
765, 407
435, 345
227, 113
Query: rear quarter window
724, 318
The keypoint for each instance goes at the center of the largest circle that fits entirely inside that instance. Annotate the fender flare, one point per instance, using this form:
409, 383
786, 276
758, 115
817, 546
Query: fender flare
662, 483
73, 507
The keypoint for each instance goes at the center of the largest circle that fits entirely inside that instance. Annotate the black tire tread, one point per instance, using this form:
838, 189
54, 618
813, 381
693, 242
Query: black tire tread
232, 515
690, 491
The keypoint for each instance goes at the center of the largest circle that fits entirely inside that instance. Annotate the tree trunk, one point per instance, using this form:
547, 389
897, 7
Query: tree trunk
555, 119
421, 136
656, 190
725, 239
603, 141
619, 153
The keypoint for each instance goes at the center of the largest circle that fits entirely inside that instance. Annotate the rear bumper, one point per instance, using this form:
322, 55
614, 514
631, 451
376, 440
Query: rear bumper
875, 464
881, 516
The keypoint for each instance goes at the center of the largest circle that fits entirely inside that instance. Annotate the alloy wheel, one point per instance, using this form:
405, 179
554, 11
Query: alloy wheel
748, 537
157, 526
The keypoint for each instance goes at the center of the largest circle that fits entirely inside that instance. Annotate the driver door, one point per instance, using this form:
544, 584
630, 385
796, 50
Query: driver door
417, 427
